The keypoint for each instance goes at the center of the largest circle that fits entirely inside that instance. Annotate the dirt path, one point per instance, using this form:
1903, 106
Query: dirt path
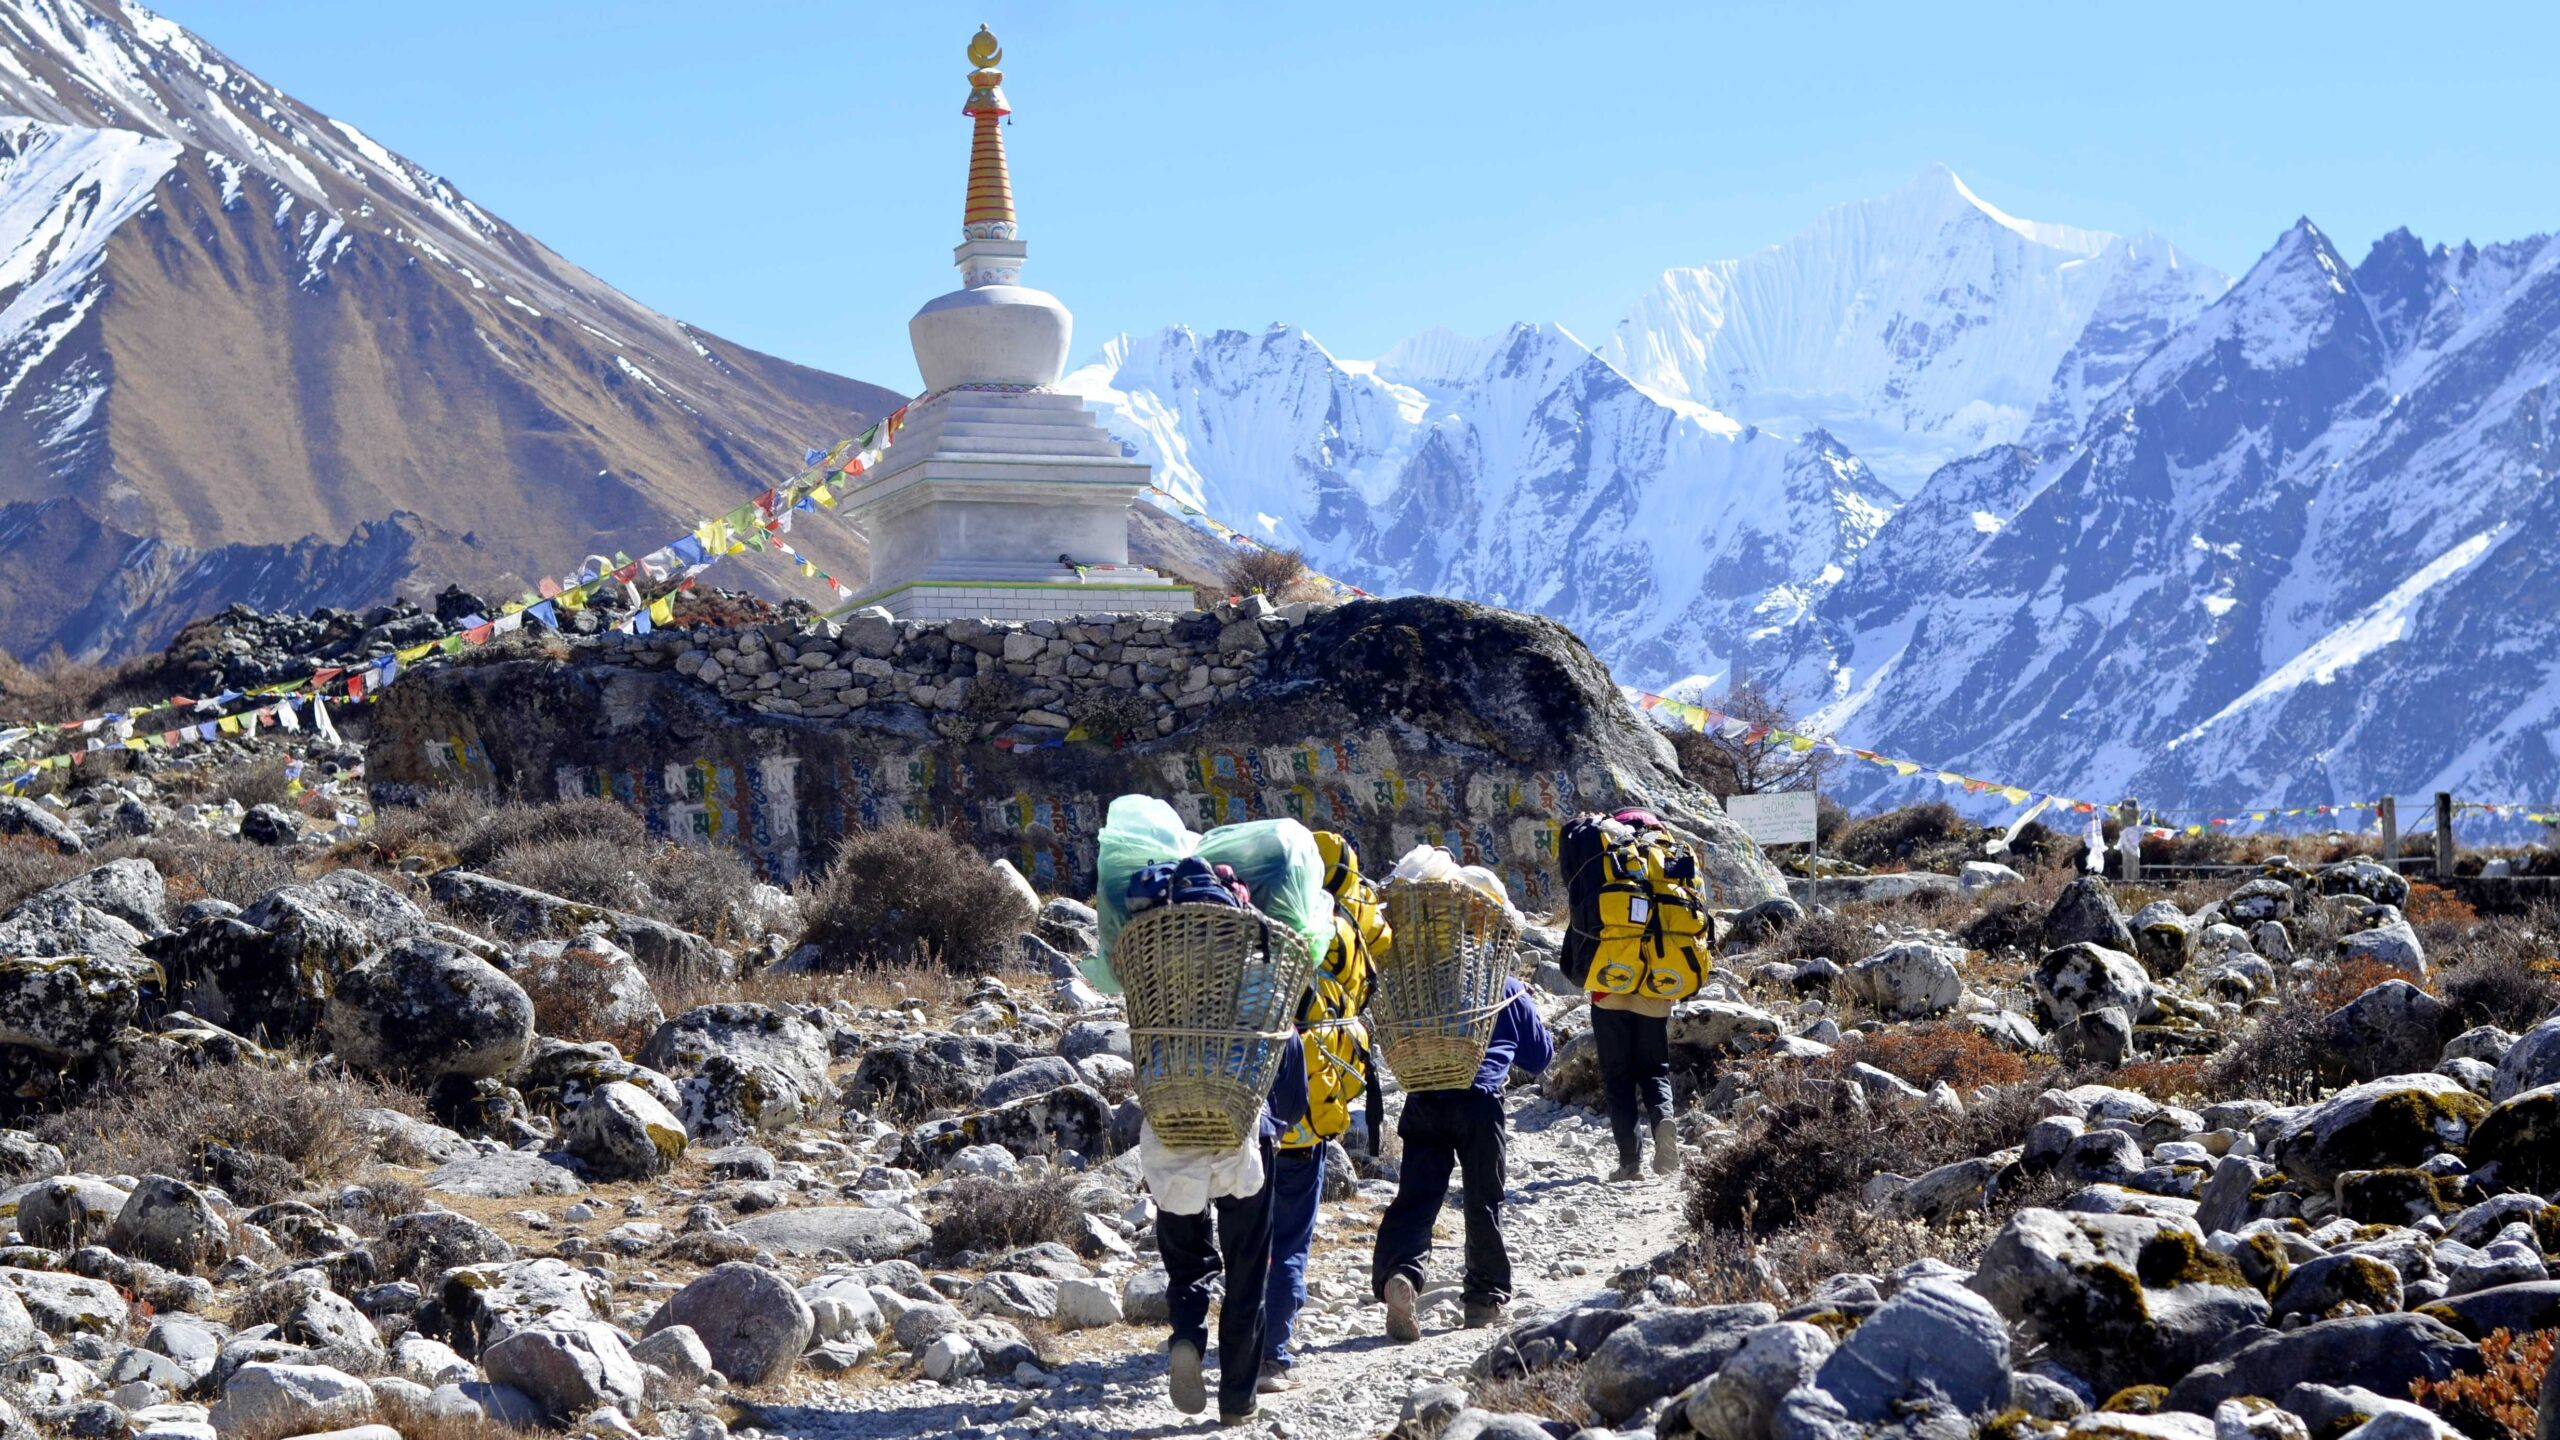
1569, 1233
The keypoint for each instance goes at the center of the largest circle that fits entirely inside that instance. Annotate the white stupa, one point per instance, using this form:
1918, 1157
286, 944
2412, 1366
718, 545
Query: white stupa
1002, 498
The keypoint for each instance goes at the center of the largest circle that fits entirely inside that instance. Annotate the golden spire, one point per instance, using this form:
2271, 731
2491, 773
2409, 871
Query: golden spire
987, 213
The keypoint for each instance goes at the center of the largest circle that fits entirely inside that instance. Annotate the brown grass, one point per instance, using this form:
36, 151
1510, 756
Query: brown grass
2435, 905
2168, 1081
281, 1130
1812, 1141
202, 866
906, 894
2503, 973
29, 864
1554, 1393
1926, 1054
1915, 837
988, 1215
2499, 1402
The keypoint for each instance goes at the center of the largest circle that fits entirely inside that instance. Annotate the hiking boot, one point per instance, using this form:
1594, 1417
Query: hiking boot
1246, 1416
1275, 1381
1627, 1173
1402, 1328
1182, 1369
1483, 1313
1666, 1147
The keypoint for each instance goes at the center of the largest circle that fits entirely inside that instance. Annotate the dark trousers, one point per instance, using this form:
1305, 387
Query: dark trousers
1195, 1251
1635, 1073
1297, 1183
1440, 1129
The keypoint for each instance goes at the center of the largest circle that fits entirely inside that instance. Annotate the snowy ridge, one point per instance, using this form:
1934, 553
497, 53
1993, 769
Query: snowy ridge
62, 193
1518, 469
1918, 327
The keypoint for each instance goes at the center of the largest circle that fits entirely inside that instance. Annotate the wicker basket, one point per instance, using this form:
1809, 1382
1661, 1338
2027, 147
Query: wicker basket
1439, 982
1213, 995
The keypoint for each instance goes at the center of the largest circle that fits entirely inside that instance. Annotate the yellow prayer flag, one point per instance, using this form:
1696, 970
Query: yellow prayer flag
662, 611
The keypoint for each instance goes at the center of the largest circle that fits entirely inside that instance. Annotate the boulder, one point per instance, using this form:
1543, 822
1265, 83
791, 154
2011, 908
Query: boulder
1086, 1305
270, 825
2085, 913
66, 1212
621, 1133
486, 1303
862, 1234
57, 922
557, 1077
527, 914
2315, 1288
1036, 1076
742, 1067
2259, 901
2117, 1299
2531, 1062
423, 1244
567, 1366
263, 1399
1072, 1120
70, 1008
680, 1353
19, 816
2082, 977
504, 1175
2395, 1028
2164, 939
2365, 878
2386, 939
130, 889
2384, 1353
1662, 1353
1735, 1403
1909, 981
1979, 875
750, 1319
170, 1222
2382, 1124
428, 1011
266, 972
1083, 1039
2521, 1136
1934, 1341
841, 1307
2520, 1308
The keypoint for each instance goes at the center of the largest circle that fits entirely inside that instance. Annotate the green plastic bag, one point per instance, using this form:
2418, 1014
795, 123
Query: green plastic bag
1276, 859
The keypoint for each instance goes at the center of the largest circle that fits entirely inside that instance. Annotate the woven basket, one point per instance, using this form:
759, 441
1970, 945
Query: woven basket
1213, 995
1438, 985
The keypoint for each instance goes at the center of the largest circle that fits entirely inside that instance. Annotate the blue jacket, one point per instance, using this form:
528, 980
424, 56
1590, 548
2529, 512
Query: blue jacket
1520, 1040
1287, 1104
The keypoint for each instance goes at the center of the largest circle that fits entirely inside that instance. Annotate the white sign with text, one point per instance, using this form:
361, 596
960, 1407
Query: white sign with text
1786, 818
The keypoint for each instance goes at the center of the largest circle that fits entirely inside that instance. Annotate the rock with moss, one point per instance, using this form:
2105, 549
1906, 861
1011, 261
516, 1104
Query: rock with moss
268, 971
1071, 1120
742, 1068
2394, 1028
2383, 1353
2393, 1122
2521, 1137
2164, 939
621, 1133
2384, 937
2531, 1062
70, 1007
1660, 1353
2079, 978
1909, 981
477, 1305
427, 1011
2117, 1299
2340, 1284
2366, 878
170, 1222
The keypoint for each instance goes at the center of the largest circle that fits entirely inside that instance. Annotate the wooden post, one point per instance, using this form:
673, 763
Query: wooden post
2129, 815
2444, 837
2388, 808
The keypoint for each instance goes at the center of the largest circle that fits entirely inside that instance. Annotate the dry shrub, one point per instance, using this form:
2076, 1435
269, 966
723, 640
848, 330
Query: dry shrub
571, 993
57, 688
1915, 837
1837, 1236
988, 1215
2335, 984
886, 986
1815, 1139
2503, 975
1926, 1054
262, 1132
426, 829
207, 866
589, 869
29, 864
2435, 905
908, 894
1112, 714
415, 1420
2499, 1402
1261, 570
259, 782
2284, 1055
1551, 1393
503, 829
698, 888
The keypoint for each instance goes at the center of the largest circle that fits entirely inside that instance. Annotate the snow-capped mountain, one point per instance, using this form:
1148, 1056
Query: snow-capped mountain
1917, 327
248, 353
1521, 470
2302, 554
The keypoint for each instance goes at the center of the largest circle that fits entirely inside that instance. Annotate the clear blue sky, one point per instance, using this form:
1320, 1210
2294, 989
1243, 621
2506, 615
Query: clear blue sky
788, 172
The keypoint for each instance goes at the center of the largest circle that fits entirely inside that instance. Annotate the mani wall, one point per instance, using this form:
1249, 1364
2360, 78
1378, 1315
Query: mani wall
1398, 722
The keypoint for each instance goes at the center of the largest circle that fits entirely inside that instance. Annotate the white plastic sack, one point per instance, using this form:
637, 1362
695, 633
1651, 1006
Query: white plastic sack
1184, 1182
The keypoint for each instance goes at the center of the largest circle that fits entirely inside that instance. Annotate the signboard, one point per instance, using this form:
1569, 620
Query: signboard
1786, 818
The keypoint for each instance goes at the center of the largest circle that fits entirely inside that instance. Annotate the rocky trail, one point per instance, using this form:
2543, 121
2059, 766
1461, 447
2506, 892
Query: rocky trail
1569, 1230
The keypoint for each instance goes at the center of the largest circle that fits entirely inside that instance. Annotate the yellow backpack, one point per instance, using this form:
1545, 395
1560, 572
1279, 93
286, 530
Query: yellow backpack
1654, 926
1337, 1044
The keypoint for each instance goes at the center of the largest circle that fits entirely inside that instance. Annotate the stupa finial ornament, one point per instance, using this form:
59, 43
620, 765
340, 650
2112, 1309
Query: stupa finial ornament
987, 213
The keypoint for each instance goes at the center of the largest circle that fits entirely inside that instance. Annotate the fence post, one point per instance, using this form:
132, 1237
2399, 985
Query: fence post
2129, 815
2444, 837
2388, 808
